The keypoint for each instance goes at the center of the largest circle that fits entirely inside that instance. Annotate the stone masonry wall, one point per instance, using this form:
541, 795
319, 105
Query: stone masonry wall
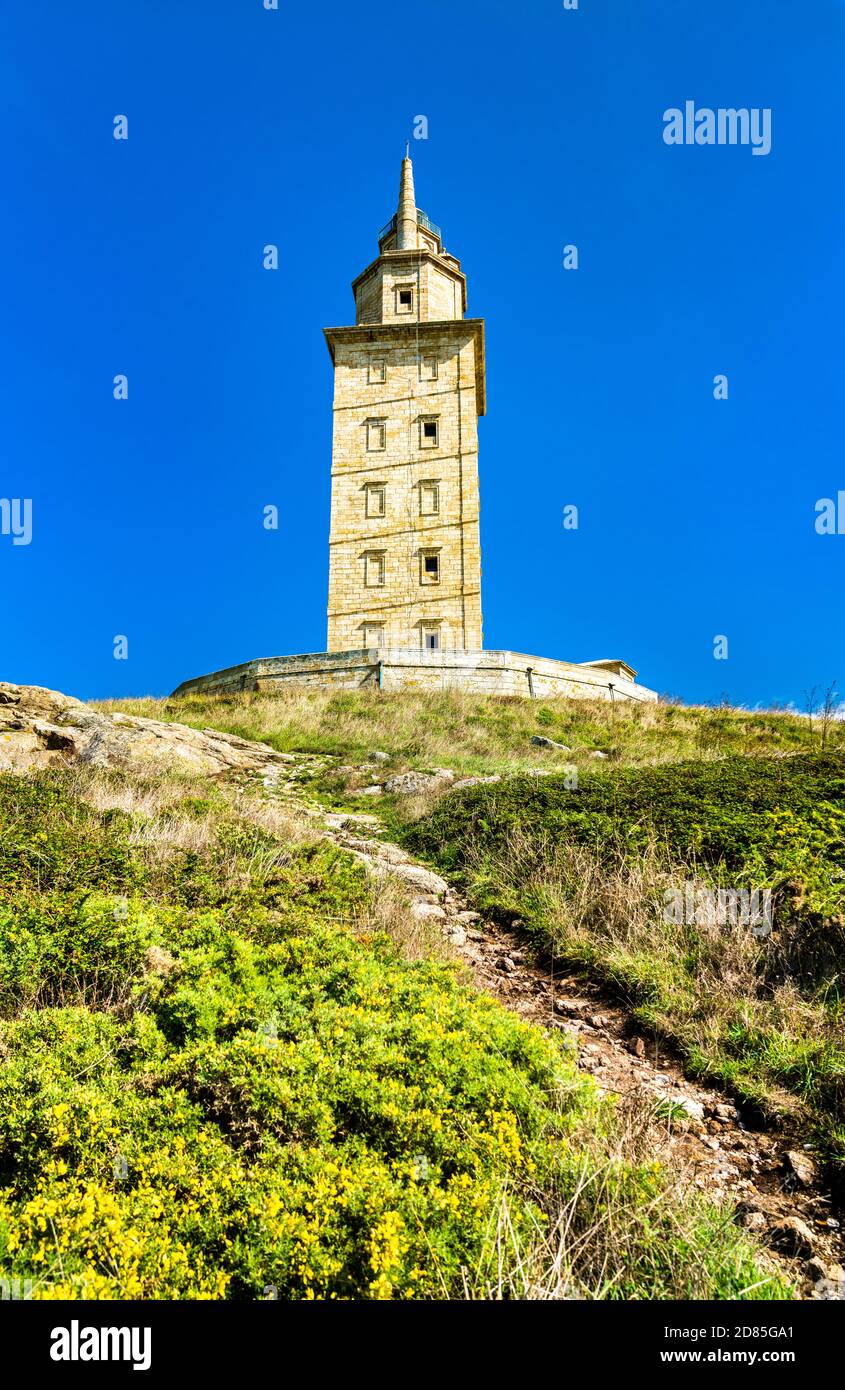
482, 672
406, 601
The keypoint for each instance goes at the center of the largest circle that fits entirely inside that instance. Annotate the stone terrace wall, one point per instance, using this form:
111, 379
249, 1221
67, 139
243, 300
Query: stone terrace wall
487, 672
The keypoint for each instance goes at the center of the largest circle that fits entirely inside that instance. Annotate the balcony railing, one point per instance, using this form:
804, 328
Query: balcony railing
422, 221
430, 226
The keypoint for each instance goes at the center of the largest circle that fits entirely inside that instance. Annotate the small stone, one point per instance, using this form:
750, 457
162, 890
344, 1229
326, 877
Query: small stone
693, 1109
830, 1290
425, 911
424, 880
539, 741
801, 1167
793, 1236
379, 757
408, 783
596, 753
725, 1113
507, 964
368, 791
456, 935
754, 1221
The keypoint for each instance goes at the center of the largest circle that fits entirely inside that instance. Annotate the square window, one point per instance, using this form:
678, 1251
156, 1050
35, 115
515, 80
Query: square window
430, 567
428, 369
429, 432
374, 569
404, 299
374, 635
376, 495
431, 639
377, 369
429, 498
376, 434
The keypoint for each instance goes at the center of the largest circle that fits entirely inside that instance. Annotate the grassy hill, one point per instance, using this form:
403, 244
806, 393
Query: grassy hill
222, 1075
477, 734
591, 869
710, 797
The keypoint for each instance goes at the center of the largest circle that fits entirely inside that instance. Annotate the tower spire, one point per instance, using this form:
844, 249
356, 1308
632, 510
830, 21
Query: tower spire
406, 216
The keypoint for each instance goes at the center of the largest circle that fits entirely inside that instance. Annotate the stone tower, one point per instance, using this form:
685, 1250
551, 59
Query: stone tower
404, 554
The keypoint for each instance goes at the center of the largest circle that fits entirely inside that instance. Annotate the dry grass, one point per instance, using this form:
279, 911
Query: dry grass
389, 911
177, 813
474, 733
617, 911
724, 997
617, 1208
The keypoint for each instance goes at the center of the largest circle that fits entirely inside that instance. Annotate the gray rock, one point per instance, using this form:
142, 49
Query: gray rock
456, 935
42, 728
425, 880
408, 783
426, 911
540, 741
801, 1167
569, 1010
692, 1108
794, 1237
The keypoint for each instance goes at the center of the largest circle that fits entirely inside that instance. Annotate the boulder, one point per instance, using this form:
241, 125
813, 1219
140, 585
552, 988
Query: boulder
43, 728
408, 783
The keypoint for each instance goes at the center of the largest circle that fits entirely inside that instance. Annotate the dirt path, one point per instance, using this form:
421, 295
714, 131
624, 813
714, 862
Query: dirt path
770, 1177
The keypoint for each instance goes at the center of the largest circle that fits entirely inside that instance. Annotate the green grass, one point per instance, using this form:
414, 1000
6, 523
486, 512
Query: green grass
589, 868
219, 1077
480, 734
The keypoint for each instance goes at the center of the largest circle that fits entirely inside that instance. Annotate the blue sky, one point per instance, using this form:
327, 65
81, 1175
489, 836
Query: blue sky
248, 127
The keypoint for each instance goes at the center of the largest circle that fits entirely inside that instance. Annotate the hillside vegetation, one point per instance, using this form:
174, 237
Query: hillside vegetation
478, 734
223, 1075
684, 801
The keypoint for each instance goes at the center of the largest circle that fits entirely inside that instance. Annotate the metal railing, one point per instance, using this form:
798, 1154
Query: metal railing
422, 221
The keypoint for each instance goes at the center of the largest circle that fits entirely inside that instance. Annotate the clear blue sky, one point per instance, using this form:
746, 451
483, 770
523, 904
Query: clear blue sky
248, 127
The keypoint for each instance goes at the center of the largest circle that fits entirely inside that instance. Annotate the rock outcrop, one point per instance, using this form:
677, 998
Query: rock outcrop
42, 728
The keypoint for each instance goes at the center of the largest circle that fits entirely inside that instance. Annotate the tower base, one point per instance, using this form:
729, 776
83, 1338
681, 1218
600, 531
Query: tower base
481, 672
